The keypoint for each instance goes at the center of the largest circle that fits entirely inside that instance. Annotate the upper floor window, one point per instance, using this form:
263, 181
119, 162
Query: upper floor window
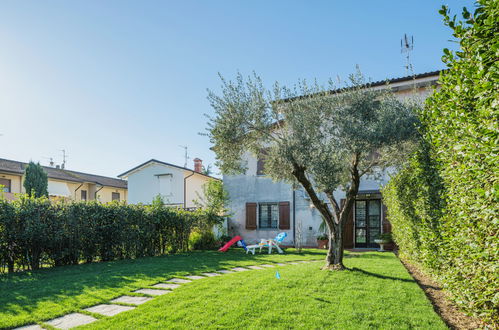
260, 164
115, 196
5, 183
268, 215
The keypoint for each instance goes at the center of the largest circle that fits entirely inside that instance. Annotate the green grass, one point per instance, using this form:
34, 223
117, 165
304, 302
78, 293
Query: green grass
377, 292
42, 295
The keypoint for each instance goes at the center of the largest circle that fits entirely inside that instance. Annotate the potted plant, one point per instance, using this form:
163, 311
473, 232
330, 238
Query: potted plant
383, 239
322, 241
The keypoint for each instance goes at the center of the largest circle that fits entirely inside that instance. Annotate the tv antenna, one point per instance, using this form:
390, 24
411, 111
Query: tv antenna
406, 47
186, 156
64, 157
51, 161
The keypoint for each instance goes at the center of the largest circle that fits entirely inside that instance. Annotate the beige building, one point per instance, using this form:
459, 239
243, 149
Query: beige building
177, 185
63, 183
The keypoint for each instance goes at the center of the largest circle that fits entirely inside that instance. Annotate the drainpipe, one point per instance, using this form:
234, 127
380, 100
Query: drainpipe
95, 194
185, 186
77, 189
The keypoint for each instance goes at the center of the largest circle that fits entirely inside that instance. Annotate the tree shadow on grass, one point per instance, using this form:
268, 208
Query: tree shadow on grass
385, 277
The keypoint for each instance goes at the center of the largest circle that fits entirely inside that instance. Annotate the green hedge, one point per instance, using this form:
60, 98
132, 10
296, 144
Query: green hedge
458, 242
36, 232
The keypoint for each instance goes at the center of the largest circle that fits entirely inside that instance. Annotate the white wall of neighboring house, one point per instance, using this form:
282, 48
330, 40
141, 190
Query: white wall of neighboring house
154, 179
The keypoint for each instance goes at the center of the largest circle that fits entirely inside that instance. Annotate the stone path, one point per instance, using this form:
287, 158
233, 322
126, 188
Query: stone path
112, 308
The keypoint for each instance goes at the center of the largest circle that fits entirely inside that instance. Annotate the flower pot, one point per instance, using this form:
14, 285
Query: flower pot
381, 243
322, 243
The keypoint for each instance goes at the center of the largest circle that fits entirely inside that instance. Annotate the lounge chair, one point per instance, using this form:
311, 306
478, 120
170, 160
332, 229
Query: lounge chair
270, 243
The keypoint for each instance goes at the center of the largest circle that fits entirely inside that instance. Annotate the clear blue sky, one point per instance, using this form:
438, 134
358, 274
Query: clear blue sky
116, 83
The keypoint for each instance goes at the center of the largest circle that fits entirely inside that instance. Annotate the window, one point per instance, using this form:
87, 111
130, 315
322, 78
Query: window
83, 195
165, 185
115, 196
6, 185
268, 215
260, 164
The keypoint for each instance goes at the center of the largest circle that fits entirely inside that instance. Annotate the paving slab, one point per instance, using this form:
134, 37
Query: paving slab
170, 286
268, 266
132, 300
280, 264
179, 280
71, 320
294, 263
30, 327
153, 292
109, 309
211, 274
195, 277
240, 269
225, 271
255, 267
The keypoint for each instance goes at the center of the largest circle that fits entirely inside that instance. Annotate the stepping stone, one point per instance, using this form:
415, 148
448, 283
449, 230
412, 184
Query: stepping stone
30, 327
195, 277
268, 266
132, 300
224, 271
280, 264
255, 267
109, 310
211, 274
240, 269
294, 263
179, 280
170, 286
71, 320
153, 292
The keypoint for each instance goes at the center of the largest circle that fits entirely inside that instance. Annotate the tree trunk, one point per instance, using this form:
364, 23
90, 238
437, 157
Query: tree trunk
334, 258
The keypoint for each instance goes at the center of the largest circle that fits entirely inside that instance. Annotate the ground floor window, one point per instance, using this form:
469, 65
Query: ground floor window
5, 183
268, 215
83, 195
115, 196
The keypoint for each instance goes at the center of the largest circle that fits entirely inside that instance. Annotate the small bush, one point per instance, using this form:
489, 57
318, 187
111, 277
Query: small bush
202, 240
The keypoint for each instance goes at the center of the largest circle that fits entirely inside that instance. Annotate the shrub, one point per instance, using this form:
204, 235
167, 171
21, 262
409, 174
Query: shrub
458, 242
202, 240
36, 231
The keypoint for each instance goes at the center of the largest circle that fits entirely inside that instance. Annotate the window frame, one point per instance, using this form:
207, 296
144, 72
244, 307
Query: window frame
269, 220
83, 192
114, 193
6, 188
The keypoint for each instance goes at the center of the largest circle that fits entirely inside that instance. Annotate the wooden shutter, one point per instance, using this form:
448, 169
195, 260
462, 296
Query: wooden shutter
348, 235
251, 216
283, 215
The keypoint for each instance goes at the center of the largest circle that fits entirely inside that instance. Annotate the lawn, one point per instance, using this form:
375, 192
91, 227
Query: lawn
377, 292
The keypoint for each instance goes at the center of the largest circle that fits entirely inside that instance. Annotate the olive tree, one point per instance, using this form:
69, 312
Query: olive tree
325, 139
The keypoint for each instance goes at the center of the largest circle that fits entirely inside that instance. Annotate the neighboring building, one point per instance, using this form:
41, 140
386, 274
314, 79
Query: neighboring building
177, 185
262, 208
63, 183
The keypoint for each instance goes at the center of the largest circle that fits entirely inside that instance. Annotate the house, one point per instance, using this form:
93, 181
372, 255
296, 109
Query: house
177, 185
63, 183
262, 208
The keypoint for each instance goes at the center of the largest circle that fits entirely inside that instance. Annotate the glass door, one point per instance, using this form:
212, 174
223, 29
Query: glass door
367, 222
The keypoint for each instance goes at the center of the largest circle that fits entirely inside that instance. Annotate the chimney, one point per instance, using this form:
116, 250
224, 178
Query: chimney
198, 165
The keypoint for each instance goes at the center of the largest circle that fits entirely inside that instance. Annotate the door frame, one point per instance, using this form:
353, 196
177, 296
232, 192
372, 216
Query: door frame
366, 199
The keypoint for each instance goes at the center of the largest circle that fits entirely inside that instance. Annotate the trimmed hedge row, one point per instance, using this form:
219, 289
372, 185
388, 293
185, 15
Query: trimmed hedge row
458, 242
36, 231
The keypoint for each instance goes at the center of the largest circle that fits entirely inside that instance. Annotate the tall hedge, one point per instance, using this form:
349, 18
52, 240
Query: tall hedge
36, 232
461, 121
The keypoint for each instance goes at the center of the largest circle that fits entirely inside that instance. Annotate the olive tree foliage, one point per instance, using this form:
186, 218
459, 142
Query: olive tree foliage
35, 180
323, 138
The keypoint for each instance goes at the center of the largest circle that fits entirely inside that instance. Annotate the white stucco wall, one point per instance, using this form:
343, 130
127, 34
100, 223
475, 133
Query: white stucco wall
144, 186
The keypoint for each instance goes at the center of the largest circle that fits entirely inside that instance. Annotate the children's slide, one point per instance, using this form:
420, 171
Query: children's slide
229, 243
